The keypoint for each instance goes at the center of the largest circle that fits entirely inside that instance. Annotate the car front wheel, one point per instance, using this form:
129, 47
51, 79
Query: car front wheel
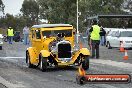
28, 60
85, 63
0, 47
43, 63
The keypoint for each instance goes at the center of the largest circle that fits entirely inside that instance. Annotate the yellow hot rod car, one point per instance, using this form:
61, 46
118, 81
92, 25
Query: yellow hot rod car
54, 45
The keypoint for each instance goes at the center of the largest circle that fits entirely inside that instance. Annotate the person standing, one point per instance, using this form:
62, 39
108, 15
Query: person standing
10, 34
26, 35
102, 36
95, 39
88, 34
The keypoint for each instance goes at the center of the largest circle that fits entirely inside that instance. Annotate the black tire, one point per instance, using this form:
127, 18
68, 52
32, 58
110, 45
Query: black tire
80, 80
0, 47
28, 60
43, 63
108, 45
17, 40
85, 63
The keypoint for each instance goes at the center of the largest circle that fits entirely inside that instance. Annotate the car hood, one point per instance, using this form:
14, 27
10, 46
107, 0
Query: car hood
125, 38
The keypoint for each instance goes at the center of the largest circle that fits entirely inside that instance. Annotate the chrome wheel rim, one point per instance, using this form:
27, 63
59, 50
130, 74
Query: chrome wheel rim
28, 61
41, 64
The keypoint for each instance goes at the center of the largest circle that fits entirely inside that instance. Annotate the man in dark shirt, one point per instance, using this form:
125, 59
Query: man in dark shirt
102, 36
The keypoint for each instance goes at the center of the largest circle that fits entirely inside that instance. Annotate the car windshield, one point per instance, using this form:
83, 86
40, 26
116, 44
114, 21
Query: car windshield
110, 32
53, 33
126, 34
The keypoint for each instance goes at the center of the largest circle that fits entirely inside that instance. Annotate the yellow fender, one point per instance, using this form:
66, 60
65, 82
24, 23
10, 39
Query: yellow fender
83, 51
45, 53
33, 55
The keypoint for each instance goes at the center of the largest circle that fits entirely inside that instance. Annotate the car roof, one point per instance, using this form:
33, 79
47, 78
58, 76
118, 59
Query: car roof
118, 29
51, 25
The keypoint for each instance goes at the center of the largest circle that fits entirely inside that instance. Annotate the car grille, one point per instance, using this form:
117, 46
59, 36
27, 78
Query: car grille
64, 50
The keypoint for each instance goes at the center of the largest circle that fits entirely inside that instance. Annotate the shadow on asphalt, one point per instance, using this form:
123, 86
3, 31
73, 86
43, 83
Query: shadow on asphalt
53, 69
2, 86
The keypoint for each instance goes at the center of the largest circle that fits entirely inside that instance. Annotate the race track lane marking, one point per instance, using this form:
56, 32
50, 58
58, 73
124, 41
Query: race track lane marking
11, 57
111, 63
9, 84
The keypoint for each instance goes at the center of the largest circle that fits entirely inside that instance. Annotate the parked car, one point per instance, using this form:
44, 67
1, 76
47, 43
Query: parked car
5, 38
17, 37
52, 45
115, 37
1, 41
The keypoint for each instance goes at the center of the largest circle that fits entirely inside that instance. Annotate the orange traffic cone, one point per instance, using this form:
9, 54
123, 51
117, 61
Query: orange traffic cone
126, 55
121, 47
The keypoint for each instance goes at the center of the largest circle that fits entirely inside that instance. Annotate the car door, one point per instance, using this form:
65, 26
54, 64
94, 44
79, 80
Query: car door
38, 42
116, 41
112, 39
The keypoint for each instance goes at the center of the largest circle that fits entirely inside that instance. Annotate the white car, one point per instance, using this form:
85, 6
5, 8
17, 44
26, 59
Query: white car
115, 37
1, 41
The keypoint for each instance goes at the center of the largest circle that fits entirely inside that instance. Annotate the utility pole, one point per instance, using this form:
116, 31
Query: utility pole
77, 23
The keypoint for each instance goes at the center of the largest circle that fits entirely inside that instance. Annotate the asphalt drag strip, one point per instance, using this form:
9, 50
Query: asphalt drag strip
21, 76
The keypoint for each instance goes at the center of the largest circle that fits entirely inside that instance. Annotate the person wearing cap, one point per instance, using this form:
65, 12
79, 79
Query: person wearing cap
95, 39
10, 34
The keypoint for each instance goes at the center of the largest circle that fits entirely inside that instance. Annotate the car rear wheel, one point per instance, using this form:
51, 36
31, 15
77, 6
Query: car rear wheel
0, 47
108, 45
28, 60
85, 63
43, 63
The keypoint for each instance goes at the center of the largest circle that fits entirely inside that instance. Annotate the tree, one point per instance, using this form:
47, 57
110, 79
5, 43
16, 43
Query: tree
2, 6
58, 11
64, 11
96, 7
30, 10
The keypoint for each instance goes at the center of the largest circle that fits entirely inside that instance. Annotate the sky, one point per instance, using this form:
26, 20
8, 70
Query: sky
12, 6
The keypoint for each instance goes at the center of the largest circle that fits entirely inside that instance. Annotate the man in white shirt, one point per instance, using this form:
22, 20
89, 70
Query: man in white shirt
26, 35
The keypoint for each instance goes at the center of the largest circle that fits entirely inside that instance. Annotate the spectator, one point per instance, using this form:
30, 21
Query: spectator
10, 34
102, 36
26, 35
95, 39
88, 34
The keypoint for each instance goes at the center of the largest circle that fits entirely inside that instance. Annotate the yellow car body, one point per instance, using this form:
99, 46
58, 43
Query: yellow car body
54, 45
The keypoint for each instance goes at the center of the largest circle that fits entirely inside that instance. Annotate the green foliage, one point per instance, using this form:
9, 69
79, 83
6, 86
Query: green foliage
58, 11
104, 7
64, 11
2, 6
17, 22
30, 10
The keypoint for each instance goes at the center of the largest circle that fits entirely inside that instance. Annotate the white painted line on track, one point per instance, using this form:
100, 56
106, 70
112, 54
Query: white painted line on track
12, 57
106, 86
9, 84
111, 63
